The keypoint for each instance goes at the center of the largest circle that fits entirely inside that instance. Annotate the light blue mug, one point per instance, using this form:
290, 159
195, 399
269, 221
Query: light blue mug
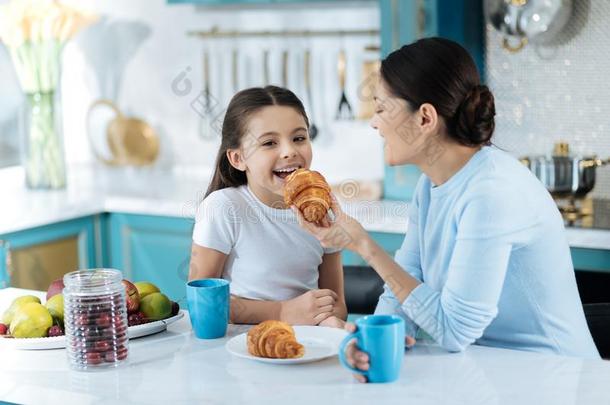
382, 337
208, 305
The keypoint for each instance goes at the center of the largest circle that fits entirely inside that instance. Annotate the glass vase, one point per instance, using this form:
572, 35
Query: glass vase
43, 153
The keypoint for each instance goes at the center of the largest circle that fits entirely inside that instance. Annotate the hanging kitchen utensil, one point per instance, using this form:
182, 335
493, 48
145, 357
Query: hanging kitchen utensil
370, 73
266, 78
313, 129
344, 111
235, 70
131, 140
205, 108
523, 21
285, 56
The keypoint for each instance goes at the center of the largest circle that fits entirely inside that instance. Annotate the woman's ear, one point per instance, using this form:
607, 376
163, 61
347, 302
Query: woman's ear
236, 159
428, 118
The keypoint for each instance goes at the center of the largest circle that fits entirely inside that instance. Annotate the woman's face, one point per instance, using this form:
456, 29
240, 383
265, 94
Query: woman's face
398, 125
276, 143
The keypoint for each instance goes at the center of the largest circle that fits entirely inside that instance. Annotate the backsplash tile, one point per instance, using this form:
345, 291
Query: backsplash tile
559, 92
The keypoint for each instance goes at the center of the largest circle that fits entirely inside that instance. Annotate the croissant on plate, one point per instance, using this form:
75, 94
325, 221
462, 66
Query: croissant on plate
310, 192
274, 339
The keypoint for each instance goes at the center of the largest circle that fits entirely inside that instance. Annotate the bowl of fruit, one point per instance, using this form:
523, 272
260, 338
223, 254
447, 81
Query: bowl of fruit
29, 324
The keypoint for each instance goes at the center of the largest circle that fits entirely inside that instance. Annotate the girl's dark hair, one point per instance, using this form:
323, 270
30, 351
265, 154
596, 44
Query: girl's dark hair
441, 72
235, 124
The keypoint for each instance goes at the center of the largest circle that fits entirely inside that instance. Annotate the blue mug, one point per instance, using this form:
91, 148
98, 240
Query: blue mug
382, 337
208, 305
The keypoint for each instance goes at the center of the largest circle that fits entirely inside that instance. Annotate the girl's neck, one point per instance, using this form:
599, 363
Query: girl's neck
449, 158
267, 197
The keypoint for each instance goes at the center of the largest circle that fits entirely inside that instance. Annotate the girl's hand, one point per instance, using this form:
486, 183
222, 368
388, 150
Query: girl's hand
333, 322
359, 359
310, 308
344, 232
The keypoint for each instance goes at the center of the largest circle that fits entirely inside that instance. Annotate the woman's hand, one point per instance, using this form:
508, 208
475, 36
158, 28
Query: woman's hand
344, 232
310, 308
360, 360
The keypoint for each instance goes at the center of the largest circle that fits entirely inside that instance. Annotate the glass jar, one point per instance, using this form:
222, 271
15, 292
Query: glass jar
95, 318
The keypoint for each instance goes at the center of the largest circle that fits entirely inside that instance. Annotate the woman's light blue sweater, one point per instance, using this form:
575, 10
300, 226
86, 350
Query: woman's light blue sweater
490, 249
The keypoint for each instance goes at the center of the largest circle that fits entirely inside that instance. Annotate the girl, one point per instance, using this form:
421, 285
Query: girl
244, 233
485, 258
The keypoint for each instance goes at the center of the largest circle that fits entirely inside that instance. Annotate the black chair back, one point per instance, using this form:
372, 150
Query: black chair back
598, 319
363, 286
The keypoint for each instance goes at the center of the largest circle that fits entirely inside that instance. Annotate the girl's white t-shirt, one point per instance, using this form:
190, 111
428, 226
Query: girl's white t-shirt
270, 257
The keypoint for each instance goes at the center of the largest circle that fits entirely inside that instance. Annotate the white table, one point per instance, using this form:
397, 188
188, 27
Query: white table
175, 367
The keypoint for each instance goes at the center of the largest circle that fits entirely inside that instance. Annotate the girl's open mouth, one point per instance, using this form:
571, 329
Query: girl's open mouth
285, 172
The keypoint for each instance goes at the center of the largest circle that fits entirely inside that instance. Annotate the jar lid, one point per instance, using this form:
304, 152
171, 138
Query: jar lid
93, 281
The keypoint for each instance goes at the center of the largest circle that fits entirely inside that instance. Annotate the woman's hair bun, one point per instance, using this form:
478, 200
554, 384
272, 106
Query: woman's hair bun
474, 118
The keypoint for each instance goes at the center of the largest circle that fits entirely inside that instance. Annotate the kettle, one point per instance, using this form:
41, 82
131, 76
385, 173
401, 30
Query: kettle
131, 140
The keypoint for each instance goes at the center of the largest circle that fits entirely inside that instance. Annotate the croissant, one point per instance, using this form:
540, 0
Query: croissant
310, 192
274, 339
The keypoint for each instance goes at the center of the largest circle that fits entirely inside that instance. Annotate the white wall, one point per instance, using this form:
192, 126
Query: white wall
344, 150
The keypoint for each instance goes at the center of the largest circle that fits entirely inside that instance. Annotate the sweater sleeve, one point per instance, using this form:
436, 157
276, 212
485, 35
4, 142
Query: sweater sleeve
458, 314
408, 257
215, 223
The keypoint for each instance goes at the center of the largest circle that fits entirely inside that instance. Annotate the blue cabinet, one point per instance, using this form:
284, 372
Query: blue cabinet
4, 265
390, 242
157, 249
42, 254
593, 260
152, 248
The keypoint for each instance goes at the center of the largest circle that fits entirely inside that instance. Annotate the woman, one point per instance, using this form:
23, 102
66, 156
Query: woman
485, 258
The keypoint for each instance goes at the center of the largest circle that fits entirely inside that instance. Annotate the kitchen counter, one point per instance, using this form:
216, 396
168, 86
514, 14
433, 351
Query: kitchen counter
176, 193
176, 367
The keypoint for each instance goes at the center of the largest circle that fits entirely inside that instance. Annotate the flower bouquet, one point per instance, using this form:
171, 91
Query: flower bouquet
35, 32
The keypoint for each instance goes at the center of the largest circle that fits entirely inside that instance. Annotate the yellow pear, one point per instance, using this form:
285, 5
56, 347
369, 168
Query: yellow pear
30, 321
7, 317
156, 306
55, 305
145, 288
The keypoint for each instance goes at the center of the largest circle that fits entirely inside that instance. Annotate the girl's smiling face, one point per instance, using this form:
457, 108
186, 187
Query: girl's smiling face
275, 144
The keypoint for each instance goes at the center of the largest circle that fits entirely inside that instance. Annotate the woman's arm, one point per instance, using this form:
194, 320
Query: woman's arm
331, 277
346, 232
457, 314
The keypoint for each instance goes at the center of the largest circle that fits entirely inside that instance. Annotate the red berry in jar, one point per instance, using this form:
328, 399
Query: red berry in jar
82, 319
110, 357
93, 358
102, 346
121, 354
104, 320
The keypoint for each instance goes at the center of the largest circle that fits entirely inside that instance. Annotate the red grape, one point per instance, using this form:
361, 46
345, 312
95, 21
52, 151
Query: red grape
55, 330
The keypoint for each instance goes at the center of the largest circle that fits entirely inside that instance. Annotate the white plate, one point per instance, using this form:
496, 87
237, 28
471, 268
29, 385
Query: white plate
319, 342
59, 342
